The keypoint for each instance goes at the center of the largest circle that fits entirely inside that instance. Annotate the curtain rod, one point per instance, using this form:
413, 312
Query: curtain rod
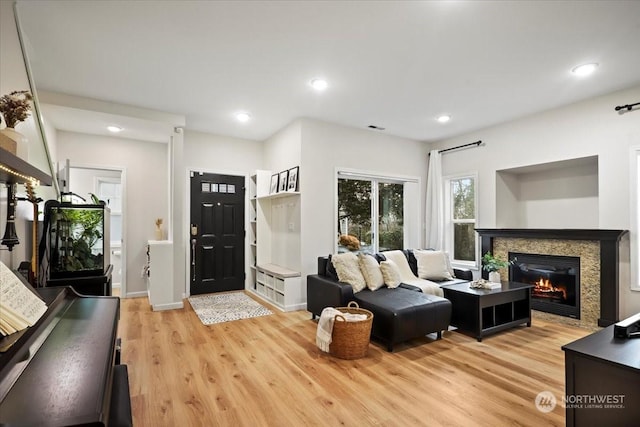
477, 144
627, 107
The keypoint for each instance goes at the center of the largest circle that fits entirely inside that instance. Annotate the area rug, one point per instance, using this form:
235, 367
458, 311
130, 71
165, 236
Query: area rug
218, 308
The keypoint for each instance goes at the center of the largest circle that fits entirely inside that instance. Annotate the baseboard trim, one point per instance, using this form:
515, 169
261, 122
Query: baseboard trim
296, 307
136, 294
170, 306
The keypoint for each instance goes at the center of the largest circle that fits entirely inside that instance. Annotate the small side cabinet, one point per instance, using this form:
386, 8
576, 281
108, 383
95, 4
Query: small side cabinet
160, 275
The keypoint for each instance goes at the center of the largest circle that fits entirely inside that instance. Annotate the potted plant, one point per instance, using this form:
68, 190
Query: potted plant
492, 265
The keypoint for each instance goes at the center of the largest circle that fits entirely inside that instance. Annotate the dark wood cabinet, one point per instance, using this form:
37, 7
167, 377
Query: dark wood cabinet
602, 380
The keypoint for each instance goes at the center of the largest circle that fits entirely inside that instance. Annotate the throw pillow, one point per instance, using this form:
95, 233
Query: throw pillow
330, 270
348, 270
432, 265
449, 266
390, 273
371, 271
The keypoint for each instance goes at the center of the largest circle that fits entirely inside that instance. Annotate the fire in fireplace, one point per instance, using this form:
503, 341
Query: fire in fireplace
545, 289
556, 281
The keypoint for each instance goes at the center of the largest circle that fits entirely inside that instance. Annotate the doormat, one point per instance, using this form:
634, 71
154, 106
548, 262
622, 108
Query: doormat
218, 308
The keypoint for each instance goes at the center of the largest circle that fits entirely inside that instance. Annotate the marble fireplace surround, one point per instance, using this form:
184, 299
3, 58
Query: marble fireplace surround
599, 262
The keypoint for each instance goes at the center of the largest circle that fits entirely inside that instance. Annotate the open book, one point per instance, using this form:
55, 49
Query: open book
20, 307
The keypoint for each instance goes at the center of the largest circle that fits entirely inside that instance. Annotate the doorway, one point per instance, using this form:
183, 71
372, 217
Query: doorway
108, 185
216, 239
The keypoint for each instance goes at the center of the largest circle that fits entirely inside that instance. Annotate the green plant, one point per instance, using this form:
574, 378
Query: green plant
491, 263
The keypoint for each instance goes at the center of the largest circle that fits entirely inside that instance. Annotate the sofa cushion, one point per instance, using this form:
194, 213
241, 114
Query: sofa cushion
433, 265
403, 265
348, 270
390, 274
371, 271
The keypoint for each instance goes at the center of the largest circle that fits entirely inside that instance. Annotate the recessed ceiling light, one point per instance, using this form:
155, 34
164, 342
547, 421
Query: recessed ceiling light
319, 84
584, 69
114, 129
243, 117
444, 118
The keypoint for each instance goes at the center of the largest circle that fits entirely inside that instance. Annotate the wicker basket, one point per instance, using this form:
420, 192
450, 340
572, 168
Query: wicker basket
350, 340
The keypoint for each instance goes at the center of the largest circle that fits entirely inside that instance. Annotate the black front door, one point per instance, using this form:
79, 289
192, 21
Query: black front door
216, 239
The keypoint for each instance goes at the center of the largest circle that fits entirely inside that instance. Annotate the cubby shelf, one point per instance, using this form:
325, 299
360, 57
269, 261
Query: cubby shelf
274, 231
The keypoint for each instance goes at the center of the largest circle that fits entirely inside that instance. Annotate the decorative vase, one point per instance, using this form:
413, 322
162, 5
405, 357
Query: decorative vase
159, 233
494, 277
21, 148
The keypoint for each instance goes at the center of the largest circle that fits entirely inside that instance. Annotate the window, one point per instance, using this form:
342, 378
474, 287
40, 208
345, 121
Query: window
635, 219
110, 190
460, 219
371, 212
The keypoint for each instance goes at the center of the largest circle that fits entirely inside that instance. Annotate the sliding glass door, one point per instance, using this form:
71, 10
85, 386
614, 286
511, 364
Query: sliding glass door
370, 214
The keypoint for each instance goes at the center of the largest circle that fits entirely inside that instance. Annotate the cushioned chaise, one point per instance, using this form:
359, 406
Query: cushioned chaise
402, 314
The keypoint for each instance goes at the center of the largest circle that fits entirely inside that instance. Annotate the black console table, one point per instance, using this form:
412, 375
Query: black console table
602, 380
63, 371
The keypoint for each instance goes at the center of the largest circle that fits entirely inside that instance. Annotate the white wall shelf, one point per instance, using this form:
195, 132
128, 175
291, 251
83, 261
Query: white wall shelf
275, 245
280, 195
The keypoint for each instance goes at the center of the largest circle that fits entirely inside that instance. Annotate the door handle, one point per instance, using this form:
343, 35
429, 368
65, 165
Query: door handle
193, 259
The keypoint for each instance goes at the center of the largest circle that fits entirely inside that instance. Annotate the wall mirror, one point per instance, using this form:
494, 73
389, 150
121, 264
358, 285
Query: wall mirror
15, 74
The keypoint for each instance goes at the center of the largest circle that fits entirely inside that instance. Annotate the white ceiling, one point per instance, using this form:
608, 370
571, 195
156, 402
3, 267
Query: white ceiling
394, 64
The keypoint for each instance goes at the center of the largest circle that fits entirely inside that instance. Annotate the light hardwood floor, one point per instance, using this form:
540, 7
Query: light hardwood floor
267, 371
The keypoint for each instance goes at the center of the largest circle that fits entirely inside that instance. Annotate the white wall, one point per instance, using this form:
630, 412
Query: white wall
282, 151
82, 181
326, 147
147, 180
589, 128
562, 197
224, 155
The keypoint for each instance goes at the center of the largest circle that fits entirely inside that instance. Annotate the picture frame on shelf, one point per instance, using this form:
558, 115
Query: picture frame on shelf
292, 181
282, 184
273, 187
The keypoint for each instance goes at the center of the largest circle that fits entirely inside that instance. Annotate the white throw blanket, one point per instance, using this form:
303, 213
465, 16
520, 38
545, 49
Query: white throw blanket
324, 333
407, 276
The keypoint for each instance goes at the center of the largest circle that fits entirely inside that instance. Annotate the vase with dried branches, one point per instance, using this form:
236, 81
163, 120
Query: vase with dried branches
159, 232
15, 108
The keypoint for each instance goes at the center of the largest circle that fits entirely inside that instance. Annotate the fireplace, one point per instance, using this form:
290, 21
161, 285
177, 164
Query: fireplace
556, 281
599, 253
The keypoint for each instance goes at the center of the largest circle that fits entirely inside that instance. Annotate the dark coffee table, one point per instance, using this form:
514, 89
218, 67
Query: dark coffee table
481, 312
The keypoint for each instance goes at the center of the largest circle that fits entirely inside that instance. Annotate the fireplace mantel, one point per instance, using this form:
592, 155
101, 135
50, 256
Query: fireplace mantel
609, 258
551, 233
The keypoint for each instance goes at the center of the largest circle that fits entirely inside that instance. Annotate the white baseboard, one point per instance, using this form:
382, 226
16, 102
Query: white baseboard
136, 294
296, 307
170, 306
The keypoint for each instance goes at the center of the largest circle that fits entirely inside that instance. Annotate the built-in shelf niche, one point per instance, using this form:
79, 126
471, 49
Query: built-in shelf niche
561, 194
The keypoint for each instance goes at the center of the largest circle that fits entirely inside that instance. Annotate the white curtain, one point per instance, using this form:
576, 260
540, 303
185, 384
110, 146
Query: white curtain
435, 203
